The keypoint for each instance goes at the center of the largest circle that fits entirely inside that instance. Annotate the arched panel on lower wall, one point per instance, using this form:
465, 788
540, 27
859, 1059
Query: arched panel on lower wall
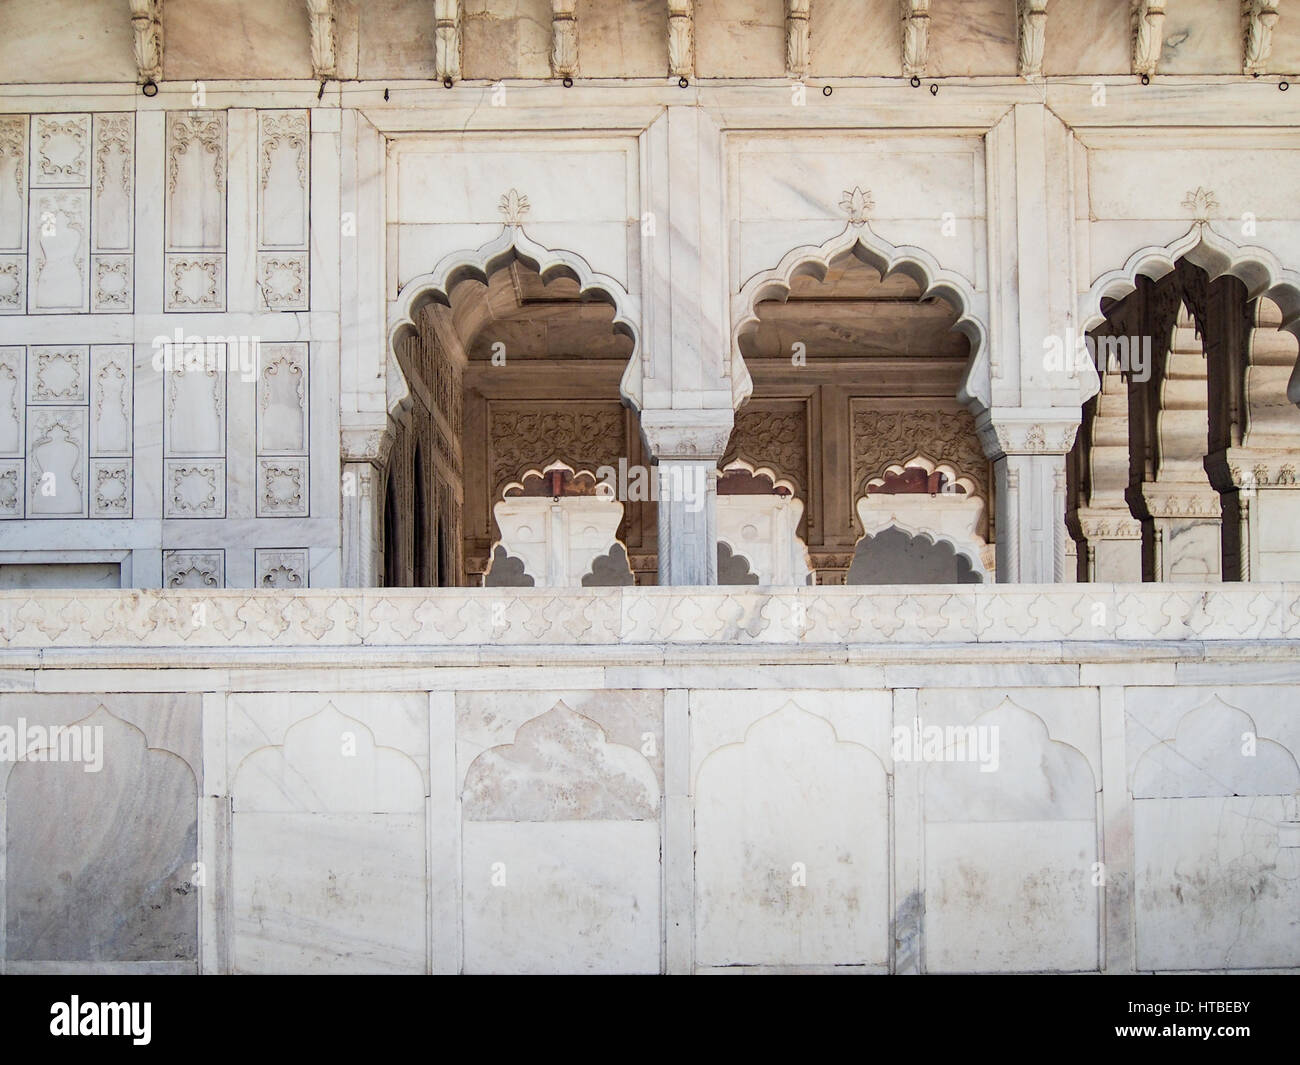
1217, 858
792, 847
328, 852
560, 840
1010, 846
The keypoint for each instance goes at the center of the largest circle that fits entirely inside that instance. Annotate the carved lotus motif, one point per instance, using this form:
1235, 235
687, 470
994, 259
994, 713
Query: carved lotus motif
857, 202
514, 205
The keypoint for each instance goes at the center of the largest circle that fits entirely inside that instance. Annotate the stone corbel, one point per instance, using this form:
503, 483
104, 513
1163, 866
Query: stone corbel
146, 24
367, 444
1033, 36
687, 434
321, 14
1033, 436
446, 39
1261, 17
681, 38
797, 53
564, 38
916, 37
1148, 35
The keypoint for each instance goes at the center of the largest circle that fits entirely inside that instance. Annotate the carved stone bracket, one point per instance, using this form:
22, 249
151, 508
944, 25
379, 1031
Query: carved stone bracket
1032, 19
916, 37
446, 39
687, 434
564, 38
681, 38
1036, 433
797, 54
321, 13
1148, 35
1261, 16
146, 24
366, 444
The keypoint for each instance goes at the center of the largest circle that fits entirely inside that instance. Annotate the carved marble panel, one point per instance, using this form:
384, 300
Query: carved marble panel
281, 567
11, 489
196, 181
59, 262
194, 569
111, 398
110, 488
57, 374
194, 488
13, 182
13, 284
284, 163
282, 487
195, 282
56, 456
112, 283
195, 404
13, 365
113, 182
282, 278
60, 151
282, 400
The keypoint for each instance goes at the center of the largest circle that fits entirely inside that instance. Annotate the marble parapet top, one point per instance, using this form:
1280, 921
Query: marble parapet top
520, 617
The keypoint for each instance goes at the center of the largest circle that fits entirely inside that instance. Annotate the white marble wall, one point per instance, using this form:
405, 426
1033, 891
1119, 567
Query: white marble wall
720, 781
186, 220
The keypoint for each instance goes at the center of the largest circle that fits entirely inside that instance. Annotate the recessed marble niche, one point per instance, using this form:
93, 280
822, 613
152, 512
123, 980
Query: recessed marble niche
328, 835
1216, 839
1009, 851
791, 828
99, 866
560, 833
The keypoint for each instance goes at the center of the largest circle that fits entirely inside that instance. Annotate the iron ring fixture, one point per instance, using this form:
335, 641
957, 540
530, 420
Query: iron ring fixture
682, 82
567, 82
1146, 79
447, 83
150, 88
827, 90
915, 82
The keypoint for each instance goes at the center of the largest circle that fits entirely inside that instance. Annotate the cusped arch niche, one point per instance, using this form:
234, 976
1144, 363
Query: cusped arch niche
571, 341
514, 245
1257, 268
859, 241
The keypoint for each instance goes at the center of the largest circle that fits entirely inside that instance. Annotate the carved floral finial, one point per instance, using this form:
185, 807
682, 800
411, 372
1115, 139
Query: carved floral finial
1200, 202
514, 206
857, 202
